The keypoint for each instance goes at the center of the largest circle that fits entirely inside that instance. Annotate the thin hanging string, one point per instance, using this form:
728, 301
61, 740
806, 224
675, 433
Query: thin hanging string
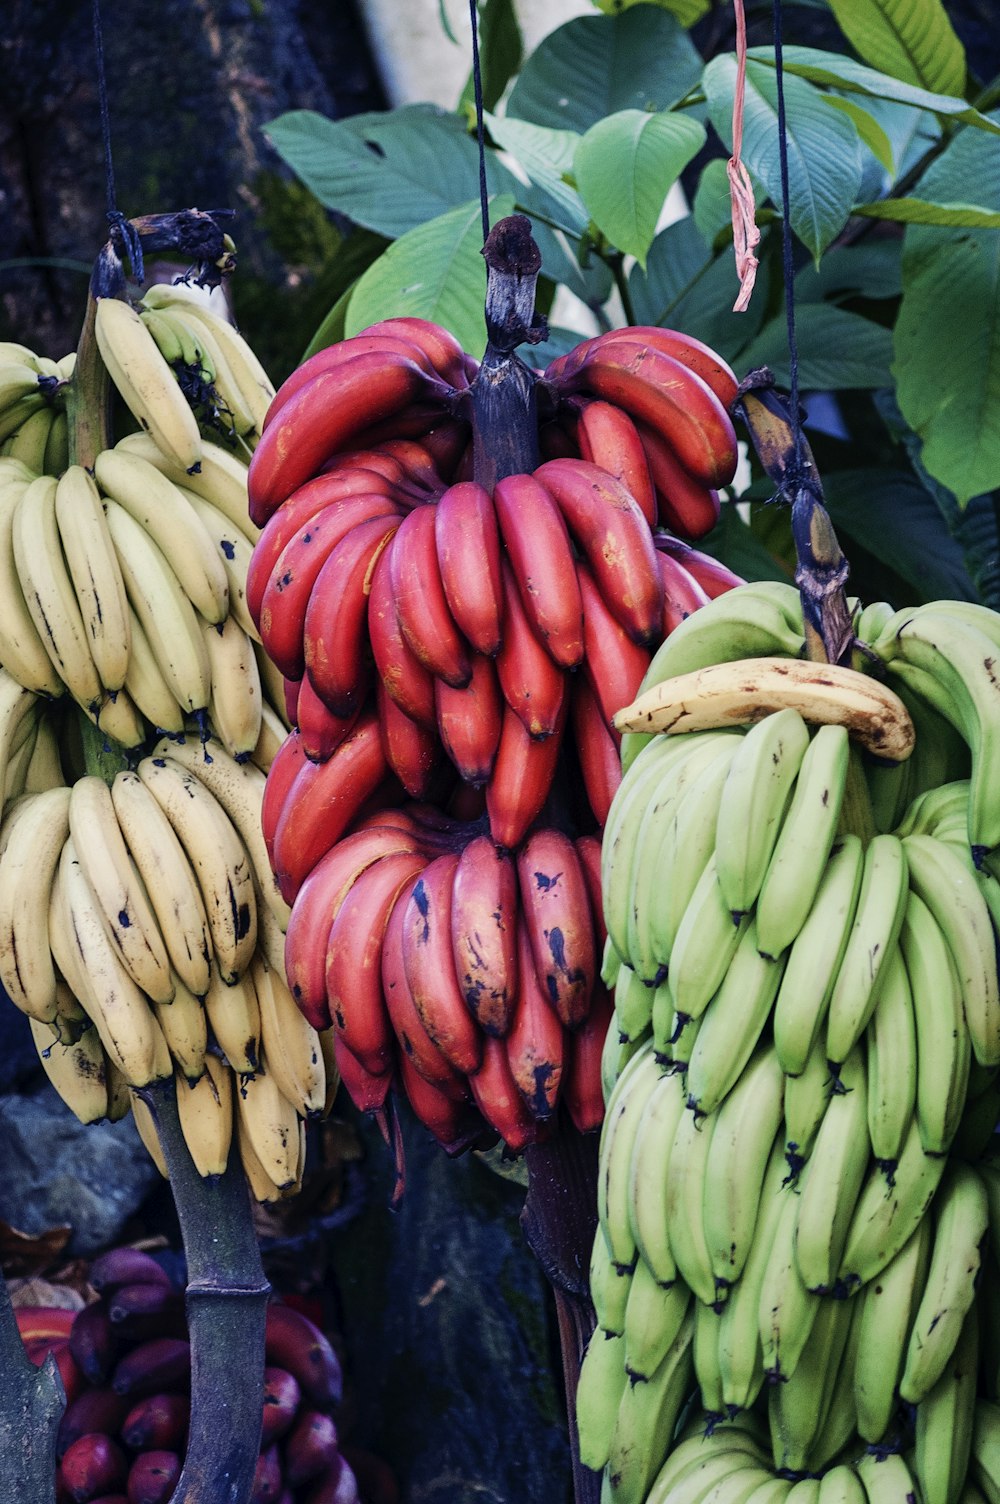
786, 258
746, 235
116, 219
477, 84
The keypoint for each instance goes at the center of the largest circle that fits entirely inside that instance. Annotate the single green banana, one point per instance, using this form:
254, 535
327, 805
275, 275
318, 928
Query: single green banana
647, 1416
609, 1287
805, 841
945, 1418
701, 1459
621, 1123
874, 933
984, 1456
888, 1305
647, 1194
886, 1478
744, 1136
927, 810
633, 1004
840, 1157
891, 1040
704, 946
705, 1350
732, 1023
888, 1211
685, 1173
786, 1310
599, 1391
753, 805
813, 963
841, 1485
653, 1317
944, 1048
807, 1097
796, 1409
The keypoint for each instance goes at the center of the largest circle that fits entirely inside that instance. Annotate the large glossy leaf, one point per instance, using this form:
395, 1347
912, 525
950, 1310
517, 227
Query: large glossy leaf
434, 272
686, 11
838, 350
894, 518
824, 152
868, 270
917, 211
387, 171
911, 39
596, 65
626, 164
546, 156
947, 336
840, 72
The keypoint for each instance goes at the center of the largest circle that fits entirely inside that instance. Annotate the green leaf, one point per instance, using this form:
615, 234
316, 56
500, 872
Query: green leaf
867, 127
596, 65
911, 39
824, 153
839, 72
685, 287
732, 541
433, 272
917, 211
625, 166
546, 156
947, 337
501, 48
869, 270
389, 171
686, 11
891, 515
838, 350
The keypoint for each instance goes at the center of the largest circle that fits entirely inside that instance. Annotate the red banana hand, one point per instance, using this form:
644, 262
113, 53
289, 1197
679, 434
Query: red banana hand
608, 526
541, 556
467, 539
469, 721
429, 966
555, 912
484, 924
691, 352
422, 612
335, 626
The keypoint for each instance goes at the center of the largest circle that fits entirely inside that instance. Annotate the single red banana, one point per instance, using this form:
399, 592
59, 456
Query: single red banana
614, 664
449, 1116
362, 493
354, 959
382, 459
714, 577
327, 414
484, 922
161, 1363
91, 1410
335, 626
337, 1485
334, 357
684, 503
467, 539
146, 1310
496, 1094
310, 1447
532, 683
607, 436
291, 689
73, 1381
522, 777
415, 421
157, 1421
691, 352
417, 1049
411, 750
588, 849
316, 906
268, 1483
153, 1477
681, 593
536, 1041
320, 730
555, 912
538, 546
445, 444
657, 389
93, 1343
126, 1266
294, 1342
606, 523
469, 721
407, 683
425, 620
439, 345
367, 1092
598, 749
282, 1397
290, 585
288, 762
323, 801
377, 1483
94, 1464
429, 966
581, 1087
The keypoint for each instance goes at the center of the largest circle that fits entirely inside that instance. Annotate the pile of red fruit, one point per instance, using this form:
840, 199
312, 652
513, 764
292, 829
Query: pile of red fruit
453, 658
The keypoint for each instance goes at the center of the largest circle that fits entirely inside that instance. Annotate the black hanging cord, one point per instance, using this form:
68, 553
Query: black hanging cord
786, 257
126, 231
477, 83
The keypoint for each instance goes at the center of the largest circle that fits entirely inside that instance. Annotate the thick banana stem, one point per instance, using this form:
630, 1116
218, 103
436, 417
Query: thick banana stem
31, 1404
226, 1304
504, 415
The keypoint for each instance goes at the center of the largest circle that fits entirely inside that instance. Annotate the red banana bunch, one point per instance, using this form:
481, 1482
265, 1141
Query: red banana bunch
123, 1434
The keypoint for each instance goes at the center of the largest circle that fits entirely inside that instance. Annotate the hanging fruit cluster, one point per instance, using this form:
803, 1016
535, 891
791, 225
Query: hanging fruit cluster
795, 1271
454, 652
126, 1366
141, 928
